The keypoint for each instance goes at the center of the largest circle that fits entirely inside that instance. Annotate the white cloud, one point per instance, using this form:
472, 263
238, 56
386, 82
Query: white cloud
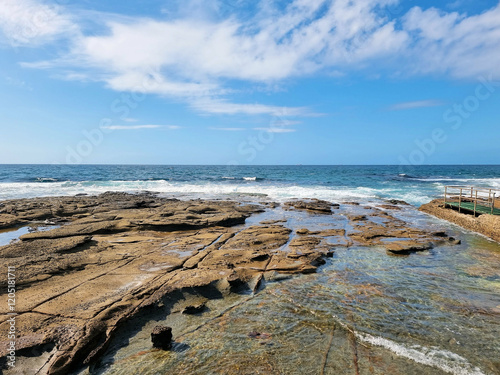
29, 22
217, 106
136, 127
416, 104
227, 129
197, 57
285, 122
275, 130
454, 44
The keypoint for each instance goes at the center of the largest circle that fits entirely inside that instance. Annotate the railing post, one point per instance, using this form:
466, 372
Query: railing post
493, 204
460, 200
471, 188
475, 203
445, 190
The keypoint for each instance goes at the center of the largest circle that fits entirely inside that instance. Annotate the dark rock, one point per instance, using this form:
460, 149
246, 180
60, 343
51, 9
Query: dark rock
259, 257
259, 335
357, 217
439, 234
397, 201
194, 309
161, 337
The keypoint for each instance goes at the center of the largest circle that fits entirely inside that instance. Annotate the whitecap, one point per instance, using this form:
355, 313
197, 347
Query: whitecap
443, 359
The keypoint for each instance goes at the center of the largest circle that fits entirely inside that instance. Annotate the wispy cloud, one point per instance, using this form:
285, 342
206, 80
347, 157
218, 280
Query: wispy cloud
286, 122
30, 22
19, 83
136, 127
275, 130
416, 104
196, 58
218, 106
227, 129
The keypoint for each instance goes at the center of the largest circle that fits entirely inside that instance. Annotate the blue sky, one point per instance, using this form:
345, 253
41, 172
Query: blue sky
250, 82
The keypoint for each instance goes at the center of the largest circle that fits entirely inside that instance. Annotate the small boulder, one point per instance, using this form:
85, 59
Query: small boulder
397, 201
194, 309
161, 337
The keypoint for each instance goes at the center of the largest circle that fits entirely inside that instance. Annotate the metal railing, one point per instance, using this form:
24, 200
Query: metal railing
480, 197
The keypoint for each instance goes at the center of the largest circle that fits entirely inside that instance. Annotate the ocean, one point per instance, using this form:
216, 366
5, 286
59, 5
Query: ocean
414, 184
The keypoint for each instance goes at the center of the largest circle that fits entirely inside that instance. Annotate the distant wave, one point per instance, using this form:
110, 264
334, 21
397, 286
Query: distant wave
493, 182
404, 175
278, 192
45, 179
242, 178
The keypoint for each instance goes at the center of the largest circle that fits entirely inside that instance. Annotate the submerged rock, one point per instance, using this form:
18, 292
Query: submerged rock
259, 335
194, 309
161, 337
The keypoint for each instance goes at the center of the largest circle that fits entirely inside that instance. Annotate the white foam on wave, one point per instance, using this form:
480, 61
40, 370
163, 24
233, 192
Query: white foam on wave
208, 190
494, 183
443, 359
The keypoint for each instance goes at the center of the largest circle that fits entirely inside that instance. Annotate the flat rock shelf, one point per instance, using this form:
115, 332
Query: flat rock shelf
118, 259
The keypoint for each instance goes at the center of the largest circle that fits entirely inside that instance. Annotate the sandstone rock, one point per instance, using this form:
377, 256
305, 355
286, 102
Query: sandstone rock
194, 309
302, 231
313, 205
357, 217
407, 247
389, 207
118, 254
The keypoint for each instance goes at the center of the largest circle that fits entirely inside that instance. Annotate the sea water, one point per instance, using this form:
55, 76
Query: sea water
414, 184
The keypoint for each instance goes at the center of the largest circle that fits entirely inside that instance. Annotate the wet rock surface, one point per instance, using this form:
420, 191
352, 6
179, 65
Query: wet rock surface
313, 205
118, 254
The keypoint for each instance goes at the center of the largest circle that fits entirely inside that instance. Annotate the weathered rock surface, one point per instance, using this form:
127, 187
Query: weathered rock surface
378, 228
488, 225
313, 205
118, 254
